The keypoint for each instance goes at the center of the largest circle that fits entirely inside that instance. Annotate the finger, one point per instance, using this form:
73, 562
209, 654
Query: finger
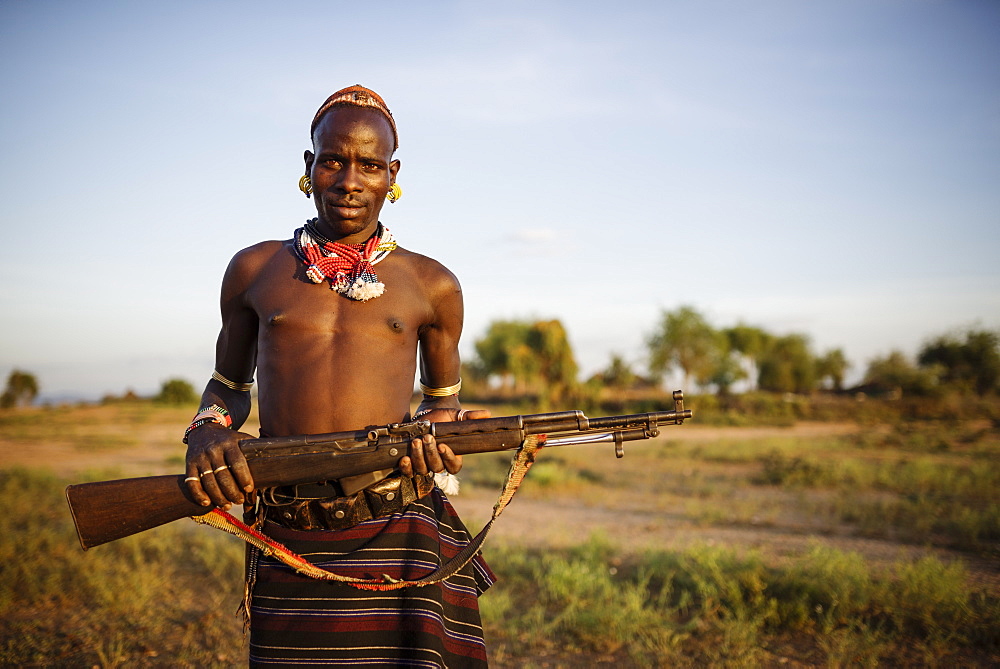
406, 466
452, 462
417, 457
473, 414
432, 455
212, 488
227, 484
193, 482
239, 469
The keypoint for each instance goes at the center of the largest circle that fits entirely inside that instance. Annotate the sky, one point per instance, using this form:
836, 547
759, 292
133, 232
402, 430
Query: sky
829, 167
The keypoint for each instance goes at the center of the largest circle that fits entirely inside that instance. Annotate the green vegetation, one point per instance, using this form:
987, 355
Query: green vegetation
532, 359
21, 390
684, 339
176, 392
923, 484
928, 490
532, 364
711, 606
973, 364
167, 596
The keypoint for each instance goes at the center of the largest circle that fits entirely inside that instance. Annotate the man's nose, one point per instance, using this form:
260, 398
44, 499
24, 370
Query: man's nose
350, 179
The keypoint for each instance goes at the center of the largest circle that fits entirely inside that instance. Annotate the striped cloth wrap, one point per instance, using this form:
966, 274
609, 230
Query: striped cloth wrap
297, 621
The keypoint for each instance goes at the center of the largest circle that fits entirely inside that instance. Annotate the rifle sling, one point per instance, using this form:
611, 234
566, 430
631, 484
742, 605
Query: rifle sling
524, 457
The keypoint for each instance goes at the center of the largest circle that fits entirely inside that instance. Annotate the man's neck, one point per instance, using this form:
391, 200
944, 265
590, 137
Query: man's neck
329, 233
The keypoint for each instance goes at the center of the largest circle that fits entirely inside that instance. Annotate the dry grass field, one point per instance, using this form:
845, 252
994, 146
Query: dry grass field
811, 545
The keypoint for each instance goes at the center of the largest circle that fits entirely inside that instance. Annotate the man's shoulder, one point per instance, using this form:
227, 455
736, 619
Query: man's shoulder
249, 262
429, 270
260, 253
262, 250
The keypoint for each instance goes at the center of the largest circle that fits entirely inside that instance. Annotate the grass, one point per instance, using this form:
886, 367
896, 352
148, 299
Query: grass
711, 606
143, 600
170, 592
169, 596
88, 428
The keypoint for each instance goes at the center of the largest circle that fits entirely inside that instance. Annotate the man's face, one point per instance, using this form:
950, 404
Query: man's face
351, 171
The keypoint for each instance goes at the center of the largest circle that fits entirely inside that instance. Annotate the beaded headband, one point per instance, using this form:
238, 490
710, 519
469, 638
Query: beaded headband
357, 96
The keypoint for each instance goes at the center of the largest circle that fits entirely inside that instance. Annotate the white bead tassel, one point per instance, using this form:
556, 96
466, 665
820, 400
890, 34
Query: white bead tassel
447, 482
363, 290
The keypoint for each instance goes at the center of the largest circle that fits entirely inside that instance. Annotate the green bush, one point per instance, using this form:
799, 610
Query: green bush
176, 392
780, 469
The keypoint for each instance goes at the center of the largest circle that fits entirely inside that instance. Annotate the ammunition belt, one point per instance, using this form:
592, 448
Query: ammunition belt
306, 507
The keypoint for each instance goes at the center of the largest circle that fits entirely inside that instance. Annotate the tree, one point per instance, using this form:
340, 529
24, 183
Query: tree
750, 342
683, 340
529, 356
788, 365
895, 372
21, 390
546, 361
176, 391
556, 365
727, 368
618, 373
973, 365
503, 352
832, 365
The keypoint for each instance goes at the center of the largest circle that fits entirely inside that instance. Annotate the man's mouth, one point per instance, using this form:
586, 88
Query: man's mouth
345, 209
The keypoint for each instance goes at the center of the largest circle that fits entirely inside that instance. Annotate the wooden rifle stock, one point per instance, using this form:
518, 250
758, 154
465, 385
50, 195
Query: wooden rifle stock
110, 510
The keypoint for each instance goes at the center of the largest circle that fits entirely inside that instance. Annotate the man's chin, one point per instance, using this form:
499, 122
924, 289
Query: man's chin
336, 227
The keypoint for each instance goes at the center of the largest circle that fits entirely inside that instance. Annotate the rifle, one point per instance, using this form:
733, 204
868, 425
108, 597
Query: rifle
108, 510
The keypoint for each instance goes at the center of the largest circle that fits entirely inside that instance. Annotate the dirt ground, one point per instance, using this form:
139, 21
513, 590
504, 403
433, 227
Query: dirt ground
534, 522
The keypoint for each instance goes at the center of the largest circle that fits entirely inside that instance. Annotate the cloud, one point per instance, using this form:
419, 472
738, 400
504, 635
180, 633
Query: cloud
538, 242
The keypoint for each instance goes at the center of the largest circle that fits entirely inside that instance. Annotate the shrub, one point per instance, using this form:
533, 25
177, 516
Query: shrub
176, 392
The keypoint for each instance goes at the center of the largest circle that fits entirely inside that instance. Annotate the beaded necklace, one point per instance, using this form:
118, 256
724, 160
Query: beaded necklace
348, 267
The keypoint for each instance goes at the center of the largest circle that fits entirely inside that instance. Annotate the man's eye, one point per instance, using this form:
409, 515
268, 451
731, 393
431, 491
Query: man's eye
332, 164
372, 167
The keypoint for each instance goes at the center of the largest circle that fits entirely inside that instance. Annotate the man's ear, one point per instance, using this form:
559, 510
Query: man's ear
393, 171
309, 157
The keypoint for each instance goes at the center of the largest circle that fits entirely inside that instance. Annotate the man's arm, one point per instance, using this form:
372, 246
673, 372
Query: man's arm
440, 364
216, 468
440, 367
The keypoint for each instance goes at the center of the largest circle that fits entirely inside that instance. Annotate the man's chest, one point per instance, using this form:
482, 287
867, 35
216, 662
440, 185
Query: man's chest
286, 303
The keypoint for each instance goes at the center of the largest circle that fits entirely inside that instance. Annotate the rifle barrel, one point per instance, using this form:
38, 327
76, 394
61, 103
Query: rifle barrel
635, 420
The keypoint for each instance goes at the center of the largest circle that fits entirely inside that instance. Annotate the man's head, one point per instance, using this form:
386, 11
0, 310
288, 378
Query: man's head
351, 165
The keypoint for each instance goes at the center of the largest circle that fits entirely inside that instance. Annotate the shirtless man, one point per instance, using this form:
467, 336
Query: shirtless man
334, 342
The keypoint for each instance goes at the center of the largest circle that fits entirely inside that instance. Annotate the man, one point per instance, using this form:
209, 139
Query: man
332, 320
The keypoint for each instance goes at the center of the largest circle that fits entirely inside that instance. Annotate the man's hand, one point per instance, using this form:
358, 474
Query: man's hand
426, 455
217, 471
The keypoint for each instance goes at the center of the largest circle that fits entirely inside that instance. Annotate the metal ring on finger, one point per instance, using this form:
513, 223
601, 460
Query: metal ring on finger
206, 472
191, 478
220, 468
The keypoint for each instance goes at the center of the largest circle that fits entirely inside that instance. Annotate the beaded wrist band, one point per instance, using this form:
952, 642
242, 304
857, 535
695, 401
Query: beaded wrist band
232, 385
441, 392
209, 414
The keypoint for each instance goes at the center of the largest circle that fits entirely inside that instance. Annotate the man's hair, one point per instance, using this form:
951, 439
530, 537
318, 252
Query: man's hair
356, 96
